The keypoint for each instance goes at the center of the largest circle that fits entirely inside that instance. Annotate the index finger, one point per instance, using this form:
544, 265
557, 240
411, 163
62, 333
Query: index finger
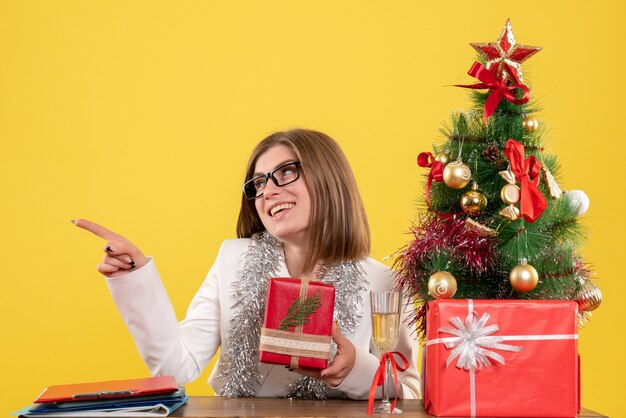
96, 229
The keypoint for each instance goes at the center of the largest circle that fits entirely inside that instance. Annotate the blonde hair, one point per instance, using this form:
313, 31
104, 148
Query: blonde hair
338, 225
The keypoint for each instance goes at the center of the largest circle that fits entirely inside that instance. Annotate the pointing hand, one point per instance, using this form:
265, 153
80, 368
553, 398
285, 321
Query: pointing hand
120, 255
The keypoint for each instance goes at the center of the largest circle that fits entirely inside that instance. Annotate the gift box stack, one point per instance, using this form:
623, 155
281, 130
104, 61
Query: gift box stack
499, 285
298, 323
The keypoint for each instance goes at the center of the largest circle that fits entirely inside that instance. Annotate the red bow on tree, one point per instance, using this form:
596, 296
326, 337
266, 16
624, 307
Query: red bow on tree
426, 159
381, 375
499, 89
532, 202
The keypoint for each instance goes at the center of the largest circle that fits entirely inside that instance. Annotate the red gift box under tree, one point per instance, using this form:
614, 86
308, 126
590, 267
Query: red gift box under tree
508, 358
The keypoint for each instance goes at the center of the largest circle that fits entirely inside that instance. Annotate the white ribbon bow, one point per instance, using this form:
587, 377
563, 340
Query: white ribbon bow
472, 340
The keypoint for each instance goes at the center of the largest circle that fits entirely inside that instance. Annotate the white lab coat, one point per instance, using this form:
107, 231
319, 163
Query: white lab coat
184, 349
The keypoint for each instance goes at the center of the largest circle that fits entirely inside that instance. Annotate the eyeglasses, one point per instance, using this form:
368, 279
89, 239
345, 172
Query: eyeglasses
281, 176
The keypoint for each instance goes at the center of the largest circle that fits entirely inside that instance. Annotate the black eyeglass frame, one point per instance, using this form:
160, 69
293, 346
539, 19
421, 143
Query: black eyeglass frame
270, 175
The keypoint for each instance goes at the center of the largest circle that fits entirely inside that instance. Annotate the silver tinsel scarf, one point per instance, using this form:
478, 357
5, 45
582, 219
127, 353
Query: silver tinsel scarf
239, 362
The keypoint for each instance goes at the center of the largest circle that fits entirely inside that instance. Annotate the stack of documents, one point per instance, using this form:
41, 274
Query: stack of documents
154, 396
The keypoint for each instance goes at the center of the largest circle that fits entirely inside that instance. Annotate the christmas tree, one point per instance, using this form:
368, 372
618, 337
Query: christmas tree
496, 224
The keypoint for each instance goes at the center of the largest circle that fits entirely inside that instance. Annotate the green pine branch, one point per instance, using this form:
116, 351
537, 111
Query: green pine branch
300, 311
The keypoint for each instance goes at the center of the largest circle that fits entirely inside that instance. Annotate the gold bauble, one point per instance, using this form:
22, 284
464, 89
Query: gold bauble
530, 124
442, 285
588, 297
443, 158
456, 175
473, 202
523, 277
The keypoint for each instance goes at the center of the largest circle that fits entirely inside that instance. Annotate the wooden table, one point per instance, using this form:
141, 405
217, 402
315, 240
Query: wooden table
216, 406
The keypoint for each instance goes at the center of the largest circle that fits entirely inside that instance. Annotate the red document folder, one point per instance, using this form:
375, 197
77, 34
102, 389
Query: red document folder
108, 390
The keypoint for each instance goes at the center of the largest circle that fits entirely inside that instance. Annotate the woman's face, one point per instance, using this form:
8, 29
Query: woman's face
284, 211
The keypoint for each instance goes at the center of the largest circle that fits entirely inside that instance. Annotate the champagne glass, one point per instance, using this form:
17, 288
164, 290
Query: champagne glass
385, 329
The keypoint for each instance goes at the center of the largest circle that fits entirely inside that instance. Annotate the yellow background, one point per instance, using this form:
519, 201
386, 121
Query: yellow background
141, 116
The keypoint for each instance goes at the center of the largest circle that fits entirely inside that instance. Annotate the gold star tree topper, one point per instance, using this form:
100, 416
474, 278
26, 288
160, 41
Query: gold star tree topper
505, 56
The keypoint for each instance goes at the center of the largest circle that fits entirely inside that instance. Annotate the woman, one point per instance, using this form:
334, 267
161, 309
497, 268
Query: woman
301, 216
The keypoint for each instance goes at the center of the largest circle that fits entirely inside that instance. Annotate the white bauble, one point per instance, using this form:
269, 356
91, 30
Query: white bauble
579, 199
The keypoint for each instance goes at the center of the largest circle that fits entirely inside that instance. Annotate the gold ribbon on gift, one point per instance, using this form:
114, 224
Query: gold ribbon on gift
296, 344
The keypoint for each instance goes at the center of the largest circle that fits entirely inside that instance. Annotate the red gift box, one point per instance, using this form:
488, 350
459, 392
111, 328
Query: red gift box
530, 368
291, 338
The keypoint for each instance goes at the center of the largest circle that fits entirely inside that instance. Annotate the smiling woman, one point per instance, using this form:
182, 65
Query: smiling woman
301, 216
337, 226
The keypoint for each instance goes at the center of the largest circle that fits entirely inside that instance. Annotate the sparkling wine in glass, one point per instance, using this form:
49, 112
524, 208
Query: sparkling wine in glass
385, 329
